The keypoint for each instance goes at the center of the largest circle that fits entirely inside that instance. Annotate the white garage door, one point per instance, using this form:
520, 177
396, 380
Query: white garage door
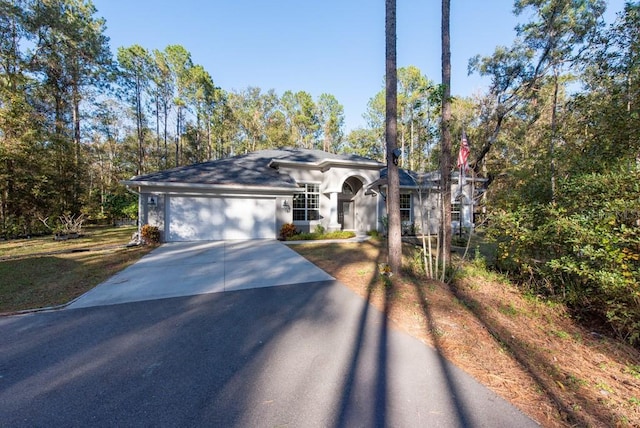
212, 219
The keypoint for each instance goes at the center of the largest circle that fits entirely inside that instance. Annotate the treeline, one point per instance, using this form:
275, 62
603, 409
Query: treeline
75, 119
556, 135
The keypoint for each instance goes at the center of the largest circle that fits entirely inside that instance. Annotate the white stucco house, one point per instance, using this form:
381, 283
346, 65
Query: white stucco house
251, 196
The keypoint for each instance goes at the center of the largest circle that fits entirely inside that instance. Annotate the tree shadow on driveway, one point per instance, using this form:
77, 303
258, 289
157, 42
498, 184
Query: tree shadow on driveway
393, 379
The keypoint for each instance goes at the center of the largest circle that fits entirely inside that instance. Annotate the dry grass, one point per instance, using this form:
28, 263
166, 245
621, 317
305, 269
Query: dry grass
41, 272
529, 352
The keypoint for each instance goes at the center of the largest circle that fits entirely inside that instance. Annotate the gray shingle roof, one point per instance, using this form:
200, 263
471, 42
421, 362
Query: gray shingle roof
314, 156
407, 178
251, 169
410, 179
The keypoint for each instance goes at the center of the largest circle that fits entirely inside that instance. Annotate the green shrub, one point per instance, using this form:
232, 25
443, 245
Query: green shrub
339, 234
373, 233
313, 236
584, 250
119, 205
303, 236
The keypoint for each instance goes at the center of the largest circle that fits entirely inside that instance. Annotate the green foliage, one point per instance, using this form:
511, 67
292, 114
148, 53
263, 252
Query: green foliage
121, 205
508, 310
633, 370
338, 234
374, 234
331, 118
419, 103
365, 142
479, 260
585, 250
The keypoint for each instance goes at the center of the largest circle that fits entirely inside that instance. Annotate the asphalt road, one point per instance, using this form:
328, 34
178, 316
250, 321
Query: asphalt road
309, 355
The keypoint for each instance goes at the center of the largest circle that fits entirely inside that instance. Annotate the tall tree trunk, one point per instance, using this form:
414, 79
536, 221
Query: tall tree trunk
554, 131
210, 149
166, 149
178, 136
411, 149
76, 141
157, 124
403, 136
445, 157
391, 135
76, 121
139, 126
630, 119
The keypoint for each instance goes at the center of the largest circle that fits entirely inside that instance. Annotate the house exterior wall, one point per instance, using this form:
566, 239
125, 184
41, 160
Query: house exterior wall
431, 209
369, 206
150, 213
425, 217
331, 181
366, 212
304, 175
156, 214
284, 212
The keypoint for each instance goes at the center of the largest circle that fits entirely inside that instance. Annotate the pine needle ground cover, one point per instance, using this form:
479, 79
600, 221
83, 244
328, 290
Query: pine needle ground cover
528, 351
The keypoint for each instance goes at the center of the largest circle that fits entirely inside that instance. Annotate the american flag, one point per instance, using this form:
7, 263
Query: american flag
463, 154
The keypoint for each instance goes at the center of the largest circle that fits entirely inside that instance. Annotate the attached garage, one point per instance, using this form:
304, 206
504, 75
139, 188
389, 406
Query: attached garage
219, 218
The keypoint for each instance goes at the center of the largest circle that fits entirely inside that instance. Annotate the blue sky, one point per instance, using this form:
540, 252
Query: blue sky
332, 46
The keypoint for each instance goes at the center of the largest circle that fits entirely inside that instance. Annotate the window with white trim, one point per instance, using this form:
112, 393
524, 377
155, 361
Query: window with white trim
455, 210
306, 206
405, 207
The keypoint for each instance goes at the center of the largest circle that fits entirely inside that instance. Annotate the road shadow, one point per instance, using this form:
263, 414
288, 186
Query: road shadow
464, 417
197, 360
345, 414
446, 397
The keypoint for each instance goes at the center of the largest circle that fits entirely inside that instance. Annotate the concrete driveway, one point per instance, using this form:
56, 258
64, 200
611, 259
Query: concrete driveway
192, 268
307, 354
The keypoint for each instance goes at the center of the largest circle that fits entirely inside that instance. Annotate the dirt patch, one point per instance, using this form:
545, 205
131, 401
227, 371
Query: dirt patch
529, 352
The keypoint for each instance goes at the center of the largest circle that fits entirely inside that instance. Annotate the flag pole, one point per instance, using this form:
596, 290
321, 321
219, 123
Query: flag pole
463, 155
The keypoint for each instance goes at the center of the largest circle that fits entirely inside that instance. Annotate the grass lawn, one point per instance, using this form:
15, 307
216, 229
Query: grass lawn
40, 272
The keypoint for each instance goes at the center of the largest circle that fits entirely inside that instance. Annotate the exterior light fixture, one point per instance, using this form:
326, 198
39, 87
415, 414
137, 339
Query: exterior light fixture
395, 155
384, 195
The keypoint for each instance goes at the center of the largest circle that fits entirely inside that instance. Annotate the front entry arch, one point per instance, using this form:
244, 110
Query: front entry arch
347, 208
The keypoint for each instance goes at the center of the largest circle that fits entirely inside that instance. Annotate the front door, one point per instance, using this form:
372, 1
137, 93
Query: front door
347, 215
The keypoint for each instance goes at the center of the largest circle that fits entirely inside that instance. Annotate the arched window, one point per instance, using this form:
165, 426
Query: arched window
347, 189
351, 186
